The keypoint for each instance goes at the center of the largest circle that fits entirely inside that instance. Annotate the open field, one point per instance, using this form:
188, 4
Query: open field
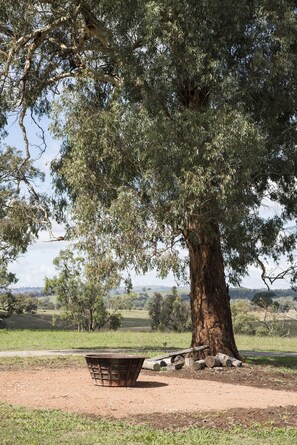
143, 341
136, 320
49, 320
133, 320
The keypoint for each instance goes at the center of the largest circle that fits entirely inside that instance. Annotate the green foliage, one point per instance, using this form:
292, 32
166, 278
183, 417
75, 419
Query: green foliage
155, 310
271, 323
171, 137
11, 303
274, 326
169, 312
264, 299
115, 322
122, 301
177, 122
21, 216
243, 320
79, 295
46, 303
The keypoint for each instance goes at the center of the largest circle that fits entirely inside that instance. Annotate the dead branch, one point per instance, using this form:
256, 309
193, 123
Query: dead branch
95, 27
269, 279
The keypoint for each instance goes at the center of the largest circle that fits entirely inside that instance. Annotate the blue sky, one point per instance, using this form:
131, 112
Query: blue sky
32, 267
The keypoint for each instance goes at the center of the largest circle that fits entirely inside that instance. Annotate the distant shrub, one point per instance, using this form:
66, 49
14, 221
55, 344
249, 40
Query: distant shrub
115, 322
273, 328
243, 320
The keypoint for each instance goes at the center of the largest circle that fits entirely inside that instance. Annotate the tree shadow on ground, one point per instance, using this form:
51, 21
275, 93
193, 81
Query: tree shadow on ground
277, 362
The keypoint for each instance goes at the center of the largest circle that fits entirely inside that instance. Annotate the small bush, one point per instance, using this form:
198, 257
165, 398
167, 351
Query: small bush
243, 320
273, 328
115, 322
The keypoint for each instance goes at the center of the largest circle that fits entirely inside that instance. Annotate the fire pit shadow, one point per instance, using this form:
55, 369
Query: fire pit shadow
150, 384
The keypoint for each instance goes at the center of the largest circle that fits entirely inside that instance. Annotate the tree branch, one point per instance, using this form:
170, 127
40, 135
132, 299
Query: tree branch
95, 27
272, 278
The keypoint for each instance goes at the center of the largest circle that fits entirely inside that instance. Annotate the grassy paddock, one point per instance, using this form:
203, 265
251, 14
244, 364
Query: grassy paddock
281, 364
142, 341
43, 362
22, 426
136, 320
43, 319
253, 343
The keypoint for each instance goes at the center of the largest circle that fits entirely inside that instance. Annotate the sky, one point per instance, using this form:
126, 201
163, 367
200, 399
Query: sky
32, 267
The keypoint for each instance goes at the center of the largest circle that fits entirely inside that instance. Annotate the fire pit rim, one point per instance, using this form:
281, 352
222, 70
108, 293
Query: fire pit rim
114, 355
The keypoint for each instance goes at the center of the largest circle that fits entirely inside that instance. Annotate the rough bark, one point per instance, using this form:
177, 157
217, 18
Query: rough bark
210, 301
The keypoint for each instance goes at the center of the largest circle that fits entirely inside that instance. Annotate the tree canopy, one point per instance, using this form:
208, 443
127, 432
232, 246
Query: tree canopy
22, 213
178, 121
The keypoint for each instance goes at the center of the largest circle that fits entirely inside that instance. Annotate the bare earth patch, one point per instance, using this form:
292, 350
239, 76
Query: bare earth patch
164, 400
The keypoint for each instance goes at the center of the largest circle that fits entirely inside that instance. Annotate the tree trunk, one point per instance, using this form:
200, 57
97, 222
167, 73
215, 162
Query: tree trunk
210, 301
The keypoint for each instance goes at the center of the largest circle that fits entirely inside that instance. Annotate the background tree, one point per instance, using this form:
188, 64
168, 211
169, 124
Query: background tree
169, 312
272, 322
81, 297
21, 212
122, 301
178, 121
155, 310
47, 304
264, 299
11, 303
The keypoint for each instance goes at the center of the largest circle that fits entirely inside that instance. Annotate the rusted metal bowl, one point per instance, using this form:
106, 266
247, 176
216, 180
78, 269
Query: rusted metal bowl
114, 369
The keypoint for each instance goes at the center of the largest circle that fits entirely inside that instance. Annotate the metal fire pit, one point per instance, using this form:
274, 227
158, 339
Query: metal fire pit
114, 369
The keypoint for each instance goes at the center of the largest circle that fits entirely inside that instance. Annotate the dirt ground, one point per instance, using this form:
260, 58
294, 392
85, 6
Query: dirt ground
209, 398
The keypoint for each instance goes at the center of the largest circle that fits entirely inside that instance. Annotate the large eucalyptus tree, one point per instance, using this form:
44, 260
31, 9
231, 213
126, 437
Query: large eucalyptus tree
178, 120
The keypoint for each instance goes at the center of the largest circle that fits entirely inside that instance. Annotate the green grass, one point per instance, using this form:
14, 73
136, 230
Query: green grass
142, 341
253, 343
20, 426
136, 319
43, 362
281, 364
40, 320
136, 314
